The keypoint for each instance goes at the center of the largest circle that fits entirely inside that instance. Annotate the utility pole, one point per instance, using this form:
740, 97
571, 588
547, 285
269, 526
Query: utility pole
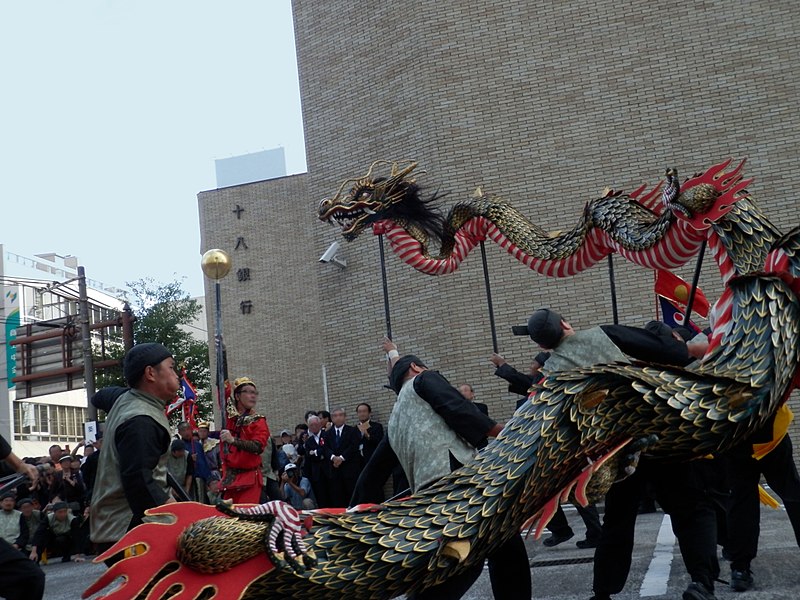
86, 343
127, 327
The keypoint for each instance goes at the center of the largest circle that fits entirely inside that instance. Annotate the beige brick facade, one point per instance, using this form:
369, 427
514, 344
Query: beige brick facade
276, 341
543, 103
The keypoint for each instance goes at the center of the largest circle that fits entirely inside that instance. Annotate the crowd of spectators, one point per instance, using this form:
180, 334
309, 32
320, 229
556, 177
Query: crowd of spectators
315, 465
50, 519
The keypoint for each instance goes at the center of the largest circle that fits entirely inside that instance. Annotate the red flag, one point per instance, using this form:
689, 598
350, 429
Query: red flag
190, 414
190, 403
676, 290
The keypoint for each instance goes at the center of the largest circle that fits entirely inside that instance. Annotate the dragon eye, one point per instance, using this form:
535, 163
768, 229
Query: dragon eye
361, 191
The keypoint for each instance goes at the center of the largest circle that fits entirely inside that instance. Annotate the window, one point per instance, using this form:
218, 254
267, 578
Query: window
48, 422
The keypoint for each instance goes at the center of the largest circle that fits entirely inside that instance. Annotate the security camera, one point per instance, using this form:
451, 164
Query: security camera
329, 256
330, 253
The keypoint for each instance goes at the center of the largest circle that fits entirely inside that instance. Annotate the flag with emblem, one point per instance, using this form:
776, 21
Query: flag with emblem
674, 316
676, 290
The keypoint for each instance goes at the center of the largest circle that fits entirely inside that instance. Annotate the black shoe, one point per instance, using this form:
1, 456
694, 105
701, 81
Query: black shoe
741, 581
587, 543
555, 540
698, 591
600, 597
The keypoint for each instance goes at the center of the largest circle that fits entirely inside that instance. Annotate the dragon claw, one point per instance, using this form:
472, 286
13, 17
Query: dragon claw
628, 464
283, 540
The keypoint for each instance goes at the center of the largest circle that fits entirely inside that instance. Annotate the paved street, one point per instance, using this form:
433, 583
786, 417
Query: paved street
565, 572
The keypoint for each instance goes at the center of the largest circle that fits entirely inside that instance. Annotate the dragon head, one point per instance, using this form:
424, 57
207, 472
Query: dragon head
361, 201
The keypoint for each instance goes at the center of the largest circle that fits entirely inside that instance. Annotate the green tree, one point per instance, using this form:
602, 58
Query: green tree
165, 313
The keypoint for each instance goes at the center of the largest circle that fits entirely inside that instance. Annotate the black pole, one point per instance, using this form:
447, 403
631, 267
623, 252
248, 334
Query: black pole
178, 488
220, 354
614, 310
698, 266
385, 289
489, 298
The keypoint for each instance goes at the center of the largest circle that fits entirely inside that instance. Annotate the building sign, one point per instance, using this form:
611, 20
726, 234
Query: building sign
11, 304
243, 275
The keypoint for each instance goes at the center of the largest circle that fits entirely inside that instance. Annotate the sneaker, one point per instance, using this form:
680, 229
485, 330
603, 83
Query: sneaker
555, 540
698, 591
741, 581
587, 543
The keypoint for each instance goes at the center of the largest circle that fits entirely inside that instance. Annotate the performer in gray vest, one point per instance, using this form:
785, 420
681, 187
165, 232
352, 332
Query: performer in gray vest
132, 472
682, 488
432, 431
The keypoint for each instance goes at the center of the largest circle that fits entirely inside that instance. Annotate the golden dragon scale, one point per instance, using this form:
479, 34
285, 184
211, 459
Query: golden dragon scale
574, 418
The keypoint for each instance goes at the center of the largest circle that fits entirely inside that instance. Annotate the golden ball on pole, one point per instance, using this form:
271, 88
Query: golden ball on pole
216, 263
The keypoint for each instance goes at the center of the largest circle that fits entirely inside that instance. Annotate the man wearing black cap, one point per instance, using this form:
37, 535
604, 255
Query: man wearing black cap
681, 488
9, 519
558, 526
29, 522
433, 430
602, 344
132, 469
58, 533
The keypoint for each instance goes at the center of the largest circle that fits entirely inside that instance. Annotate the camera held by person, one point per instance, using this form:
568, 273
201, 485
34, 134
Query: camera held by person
296, 489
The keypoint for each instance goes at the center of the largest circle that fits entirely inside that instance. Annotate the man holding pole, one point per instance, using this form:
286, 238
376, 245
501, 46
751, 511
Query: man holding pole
682, 489
429, 408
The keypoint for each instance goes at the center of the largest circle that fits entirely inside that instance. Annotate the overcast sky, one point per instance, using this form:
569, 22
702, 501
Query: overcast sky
113, 112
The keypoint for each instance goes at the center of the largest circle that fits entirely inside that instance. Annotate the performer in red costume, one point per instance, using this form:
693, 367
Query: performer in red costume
244, 439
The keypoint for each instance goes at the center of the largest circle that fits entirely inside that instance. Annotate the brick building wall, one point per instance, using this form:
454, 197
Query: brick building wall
542, 103
275, 339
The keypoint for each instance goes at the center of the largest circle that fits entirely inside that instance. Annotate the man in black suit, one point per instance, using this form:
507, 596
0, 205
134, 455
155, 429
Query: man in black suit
316, 466
370, 430
341, 449
371, 433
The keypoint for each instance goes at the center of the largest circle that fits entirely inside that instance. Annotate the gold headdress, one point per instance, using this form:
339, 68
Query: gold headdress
237, 383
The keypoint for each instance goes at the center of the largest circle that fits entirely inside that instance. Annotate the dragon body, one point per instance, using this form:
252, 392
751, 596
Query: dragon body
648, 230
576, 421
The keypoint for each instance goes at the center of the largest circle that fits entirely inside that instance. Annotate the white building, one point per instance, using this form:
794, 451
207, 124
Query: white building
44, 290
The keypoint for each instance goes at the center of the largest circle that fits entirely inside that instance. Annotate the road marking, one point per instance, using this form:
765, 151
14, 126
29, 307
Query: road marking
656, 579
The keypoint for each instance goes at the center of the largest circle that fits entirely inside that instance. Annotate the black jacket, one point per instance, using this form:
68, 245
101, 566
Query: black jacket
346, 447
368, 445
316, 466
